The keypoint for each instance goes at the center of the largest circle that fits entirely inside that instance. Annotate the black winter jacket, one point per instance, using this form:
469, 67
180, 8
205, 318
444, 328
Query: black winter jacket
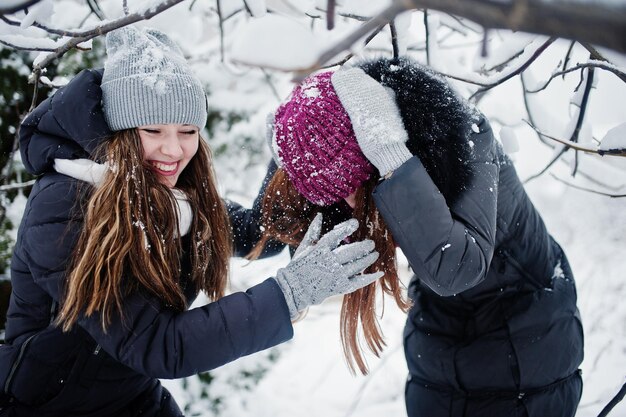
494, 312
88, 372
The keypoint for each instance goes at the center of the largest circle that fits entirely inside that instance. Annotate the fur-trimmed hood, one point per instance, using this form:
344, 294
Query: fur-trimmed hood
438, 121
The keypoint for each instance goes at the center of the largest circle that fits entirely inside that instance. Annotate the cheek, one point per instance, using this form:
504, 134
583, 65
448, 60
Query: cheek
147, 147
190, 149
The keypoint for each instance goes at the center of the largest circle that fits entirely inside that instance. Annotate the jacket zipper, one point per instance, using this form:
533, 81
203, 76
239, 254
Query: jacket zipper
16, 364
506, 257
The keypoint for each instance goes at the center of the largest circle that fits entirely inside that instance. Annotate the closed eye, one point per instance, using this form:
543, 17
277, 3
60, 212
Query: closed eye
151, 131
189, 132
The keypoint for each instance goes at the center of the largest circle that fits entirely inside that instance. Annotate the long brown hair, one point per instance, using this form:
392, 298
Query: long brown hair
130, 240
286, 216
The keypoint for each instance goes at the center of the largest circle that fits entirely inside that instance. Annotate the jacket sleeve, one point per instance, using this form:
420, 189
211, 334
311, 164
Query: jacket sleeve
151, 338
246, 223
449, 249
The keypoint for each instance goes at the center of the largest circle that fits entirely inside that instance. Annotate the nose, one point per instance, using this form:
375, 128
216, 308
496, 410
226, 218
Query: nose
171, 147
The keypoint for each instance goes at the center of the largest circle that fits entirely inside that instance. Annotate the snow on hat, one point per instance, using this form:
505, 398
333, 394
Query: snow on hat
316, 143
147, 81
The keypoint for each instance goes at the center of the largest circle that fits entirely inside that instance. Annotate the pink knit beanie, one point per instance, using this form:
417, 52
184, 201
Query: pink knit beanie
316, 144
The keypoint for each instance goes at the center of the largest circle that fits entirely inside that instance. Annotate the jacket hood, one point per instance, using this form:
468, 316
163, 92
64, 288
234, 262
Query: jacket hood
68, 125
438, 122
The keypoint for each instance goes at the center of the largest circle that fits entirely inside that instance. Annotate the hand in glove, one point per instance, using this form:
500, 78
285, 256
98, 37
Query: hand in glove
323, 269
375, 118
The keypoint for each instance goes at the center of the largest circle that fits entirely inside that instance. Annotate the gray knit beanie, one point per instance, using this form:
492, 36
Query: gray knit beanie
147, 81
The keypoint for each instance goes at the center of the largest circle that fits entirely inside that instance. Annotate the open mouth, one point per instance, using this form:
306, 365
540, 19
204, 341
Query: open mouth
164, 168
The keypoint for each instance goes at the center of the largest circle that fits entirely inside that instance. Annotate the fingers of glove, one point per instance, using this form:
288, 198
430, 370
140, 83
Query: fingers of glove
339, 233
353, 251
363, 280
357, 266
312, 234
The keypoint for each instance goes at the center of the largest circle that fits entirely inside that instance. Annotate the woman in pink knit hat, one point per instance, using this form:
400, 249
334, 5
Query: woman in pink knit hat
493, 328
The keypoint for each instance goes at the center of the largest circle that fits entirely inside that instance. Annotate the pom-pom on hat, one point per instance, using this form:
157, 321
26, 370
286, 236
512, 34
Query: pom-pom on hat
147, 81
316, 143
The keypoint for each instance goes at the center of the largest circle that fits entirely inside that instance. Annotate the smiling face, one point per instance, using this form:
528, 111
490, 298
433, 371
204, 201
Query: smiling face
168, 149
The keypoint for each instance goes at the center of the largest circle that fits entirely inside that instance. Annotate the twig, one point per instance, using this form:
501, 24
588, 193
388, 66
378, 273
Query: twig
95, 8
330, 14
346, 15
578, 187
221, 24
382, 19
581, 113
271, 84
12, 8
21, 48
519, 70
485, 42
17, 186
568, 54
427, 37
605, 67
540, 173
350, 55
529, 112
601, 25
618, 397
576, 146
104, 29
394, 39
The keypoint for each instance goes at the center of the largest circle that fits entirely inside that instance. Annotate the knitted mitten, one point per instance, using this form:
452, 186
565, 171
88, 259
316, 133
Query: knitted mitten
375, 118
321, 270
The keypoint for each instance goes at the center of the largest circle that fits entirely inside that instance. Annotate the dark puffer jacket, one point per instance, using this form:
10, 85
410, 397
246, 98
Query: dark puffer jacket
88, 372
494, 329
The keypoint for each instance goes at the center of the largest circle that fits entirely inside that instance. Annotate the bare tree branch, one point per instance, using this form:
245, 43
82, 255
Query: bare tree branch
603, 24
581, 114
568, 54
382, 19
221, 23
427, 37
621, 75
21, 48
330, 14
547, 167
512, 74
101, 30
16, 7
576, 146
17, 186
95, 8
394, 39
529, 111
578, 187
350, 55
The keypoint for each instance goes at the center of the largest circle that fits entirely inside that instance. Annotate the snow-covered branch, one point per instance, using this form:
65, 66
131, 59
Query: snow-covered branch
600, 23
573, 145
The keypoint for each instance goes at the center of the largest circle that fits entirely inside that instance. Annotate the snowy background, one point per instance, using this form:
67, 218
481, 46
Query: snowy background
307, 376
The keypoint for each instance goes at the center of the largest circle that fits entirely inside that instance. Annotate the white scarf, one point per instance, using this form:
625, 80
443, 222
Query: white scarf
93, 173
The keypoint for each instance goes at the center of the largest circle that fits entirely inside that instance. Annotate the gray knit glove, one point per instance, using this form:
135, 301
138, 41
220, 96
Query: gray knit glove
375, 118
321, 270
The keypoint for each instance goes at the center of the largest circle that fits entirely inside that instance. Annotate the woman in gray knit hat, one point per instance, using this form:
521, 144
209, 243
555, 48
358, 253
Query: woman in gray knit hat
122, 230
